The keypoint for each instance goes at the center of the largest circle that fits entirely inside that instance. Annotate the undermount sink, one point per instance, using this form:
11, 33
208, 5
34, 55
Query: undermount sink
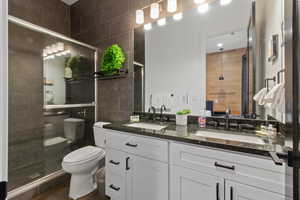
232, 137
155, 127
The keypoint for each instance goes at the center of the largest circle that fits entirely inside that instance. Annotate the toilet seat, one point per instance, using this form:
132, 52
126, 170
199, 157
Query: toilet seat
83, 155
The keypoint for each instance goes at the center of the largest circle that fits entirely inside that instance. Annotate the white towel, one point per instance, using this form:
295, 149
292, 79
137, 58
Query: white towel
260, 96
272, 94
279, 100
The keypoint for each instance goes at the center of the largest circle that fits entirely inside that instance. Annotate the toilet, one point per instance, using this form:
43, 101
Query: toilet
83, 164
74, 129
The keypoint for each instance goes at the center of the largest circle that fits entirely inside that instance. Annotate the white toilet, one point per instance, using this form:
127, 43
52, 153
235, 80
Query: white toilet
83, 164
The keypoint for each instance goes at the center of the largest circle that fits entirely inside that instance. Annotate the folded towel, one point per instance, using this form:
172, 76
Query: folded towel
279, 97
272, 94
279, 101
260, 96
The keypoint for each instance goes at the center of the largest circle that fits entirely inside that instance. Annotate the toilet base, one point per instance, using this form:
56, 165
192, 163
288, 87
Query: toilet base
82, 184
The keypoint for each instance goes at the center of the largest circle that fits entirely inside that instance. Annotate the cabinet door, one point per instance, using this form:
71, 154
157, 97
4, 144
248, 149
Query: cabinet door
187, 184
237, 191
147, 179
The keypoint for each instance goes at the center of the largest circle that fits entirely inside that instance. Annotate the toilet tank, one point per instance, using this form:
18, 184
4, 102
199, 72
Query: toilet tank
74, 129
99, 134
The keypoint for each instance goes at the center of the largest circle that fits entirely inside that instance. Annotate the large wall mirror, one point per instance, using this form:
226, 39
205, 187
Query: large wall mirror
227, 57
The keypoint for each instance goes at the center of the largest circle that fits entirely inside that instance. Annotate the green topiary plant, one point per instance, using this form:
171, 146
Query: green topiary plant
183, 112
78, 64
112, 60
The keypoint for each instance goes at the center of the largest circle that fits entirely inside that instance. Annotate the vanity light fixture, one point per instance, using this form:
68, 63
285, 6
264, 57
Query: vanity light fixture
139, 17
148, 26
162, 22
178, 16
220, 45
225, 2
154, 11
203, 8
172, 6
199, 1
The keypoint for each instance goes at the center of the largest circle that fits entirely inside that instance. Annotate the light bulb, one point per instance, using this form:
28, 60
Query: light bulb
199, 1
154, 11
60, 46
177, 16
203, 8
220, 45
225, 2
139, 16
148, 26
172, 6
162, 22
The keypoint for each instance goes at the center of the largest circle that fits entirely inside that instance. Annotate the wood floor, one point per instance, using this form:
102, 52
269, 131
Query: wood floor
61, 193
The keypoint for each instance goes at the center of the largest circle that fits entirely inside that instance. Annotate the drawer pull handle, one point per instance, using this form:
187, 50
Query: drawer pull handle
217, 191
127, 164
231, 193
131, 145
114, 162
224, 166
114, 187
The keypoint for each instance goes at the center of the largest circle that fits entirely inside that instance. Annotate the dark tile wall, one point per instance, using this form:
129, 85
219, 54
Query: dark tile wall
26, 120
53, 14
25, 105
102, 23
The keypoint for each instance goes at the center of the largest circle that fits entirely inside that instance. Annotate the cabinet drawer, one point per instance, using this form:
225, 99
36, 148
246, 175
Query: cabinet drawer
115, 185
138, 145
115, 161
254, 170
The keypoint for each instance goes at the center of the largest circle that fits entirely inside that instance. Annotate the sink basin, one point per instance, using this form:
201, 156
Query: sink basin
155, 127
232, 137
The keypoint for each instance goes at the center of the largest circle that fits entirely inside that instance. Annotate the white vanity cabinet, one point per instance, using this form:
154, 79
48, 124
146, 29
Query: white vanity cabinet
136, 167
203, 173
237, 191
187, 184
146, 168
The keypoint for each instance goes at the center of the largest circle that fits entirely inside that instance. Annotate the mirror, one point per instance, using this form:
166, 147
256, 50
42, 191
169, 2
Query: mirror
68, 73
214, 60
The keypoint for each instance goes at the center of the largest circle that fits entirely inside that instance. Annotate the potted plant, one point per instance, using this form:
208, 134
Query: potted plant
181, 117
112, 60
76, 66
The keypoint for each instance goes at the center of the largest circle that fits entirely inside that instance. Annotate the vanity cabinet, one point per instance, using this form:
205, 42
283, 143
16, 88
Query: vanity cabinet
140, 167
187, 184
132, 172
237, 191
148, 179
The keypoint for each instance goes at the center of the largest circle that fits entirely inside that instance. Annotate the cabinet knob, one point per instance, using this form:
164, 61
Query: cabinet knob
114, 162
217, 191
131, 145
114, 187
127, 163
224, 166
231, 193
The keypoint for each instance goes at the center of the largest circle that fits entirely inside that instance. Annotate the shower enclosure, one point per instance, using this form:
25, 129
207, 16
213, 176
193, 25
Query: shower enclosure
50, 80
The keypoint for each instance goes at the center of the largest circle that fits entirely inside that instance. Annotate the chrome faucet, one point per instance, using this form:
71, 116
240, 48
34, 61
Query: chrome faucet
162, 109
152, 108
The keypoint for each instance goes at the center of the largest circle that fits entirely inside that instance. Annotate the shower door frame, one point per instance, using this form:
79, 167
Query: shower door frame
3, 98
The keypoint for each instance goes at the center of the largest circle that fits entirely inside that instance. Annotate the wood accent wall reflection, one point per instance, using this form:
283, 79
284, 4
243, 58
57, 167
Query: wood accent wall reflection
225, 92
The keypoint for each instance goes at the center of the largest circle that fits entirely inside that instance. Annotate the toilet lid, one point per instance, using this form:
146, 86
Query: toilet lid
84, 154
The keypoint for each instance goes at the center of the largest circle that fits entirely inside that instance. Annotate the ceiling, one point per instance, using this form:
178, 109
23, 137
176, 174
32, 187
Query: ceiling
70, 2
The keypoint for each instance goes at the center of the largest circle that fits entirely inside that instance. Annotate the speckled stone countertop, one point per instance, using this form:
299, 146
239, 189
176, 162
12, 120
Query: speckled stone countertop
187, 134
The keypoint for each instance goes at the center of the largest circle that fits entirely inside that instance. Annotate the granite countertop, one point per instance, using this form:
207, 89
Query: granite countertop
188, 134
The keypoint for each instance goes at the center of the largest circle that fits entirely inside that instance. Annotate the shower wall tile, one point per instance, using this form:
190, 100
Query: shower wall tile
54, 14
103, 23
